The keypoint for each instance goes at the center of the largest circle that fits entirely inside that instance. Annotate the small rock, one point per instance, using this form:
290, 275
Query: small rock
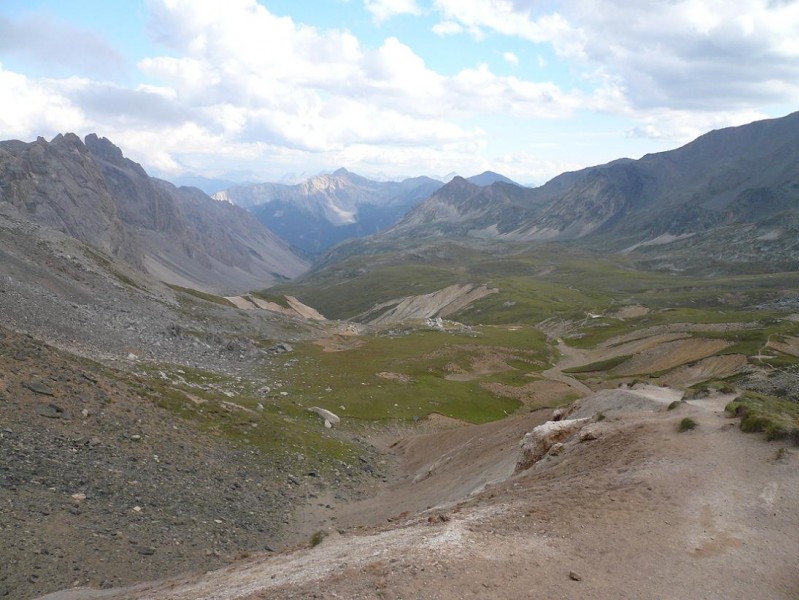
556, 449
51, 411
145, 550
280, 349
439, 518
135, 437
40, 388
574, 576
137, 509
78, 498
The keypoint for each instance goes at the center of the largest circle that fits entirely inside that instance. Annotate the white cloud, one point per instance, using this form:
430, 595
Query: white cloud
264, 78
511, 19
385, 9
699, 55
445, 28
240, 86
32, 108
683, 127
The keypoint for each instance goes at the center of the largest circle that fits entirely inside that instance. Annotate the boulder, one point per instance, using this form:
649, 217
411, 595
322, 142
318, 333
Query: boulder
329, 418
537, 443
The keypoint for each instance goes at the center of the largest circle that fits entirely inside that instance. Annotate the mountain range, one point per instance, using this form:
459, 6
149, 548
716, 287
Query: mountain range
327, 209
90, 191
725, 200
731, 193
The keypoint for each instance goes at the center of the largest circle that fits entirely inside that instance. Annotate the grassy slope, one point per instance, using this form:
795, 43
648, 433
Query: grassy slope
535, 284
424, 359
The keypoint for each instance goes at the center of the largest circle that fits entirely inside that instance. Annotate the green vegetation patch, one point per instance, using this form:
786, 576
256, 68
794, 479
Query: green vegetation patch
273, 298
228, 407
412, 374
777, 418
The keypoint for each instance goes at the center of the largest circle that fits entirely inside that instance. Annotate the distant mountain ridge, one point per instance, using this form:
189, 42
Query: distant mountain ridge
488, 178
735, 177
91, 192
326, 209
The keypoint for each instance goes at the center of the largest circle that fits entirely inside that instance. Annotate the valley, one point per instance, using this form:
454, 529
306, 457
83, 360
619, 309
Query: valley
453, 407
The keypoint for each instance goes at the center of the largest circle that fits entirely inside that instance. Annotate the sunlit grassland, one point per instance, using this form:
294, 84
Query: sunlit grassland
423, 372
396, 376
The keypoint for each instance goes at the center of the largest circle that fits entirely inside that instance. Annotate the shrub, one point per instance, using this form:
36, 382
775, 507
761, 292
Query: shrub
687, 424
776, 417
674, 405
317, 538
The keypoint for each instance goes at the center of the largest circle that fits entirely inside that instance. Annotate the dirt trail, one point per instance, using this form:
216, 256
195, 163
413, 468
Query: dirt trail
570, 357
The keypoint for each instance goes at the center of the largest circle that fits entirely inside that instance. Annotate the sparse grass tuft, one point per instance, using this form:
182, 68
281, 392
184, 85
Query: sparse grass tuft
675, 404
317, 538
777, 418
687, 424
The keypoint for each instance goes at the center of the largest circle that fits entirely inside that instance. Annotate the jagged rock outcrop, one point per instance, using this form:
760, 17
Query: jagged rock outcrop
60, 185
91, 192
537, 443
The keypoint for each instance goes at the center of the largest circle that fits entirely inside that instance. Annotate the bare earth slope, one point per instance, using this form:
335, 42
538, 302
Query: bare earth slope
642, 511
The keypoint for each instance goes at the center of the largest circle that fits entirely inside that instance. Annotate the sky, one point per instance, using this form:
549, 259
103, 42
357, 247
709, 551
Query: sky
278, 90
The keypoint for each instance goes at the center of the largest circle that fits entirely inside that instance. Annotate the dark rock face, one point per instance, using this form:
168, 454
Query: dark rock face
59, 185
139, 202
93, 193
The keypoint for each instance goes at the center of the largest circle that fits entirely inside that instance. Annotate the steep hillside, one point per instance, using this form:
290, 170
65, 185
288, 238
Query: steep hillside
324, 210
744, 179
91, 192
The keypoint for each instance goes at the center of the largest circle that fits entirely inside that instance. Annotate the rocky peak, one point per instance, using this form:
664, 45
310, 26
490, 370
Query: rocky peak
105, 150
91, 192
